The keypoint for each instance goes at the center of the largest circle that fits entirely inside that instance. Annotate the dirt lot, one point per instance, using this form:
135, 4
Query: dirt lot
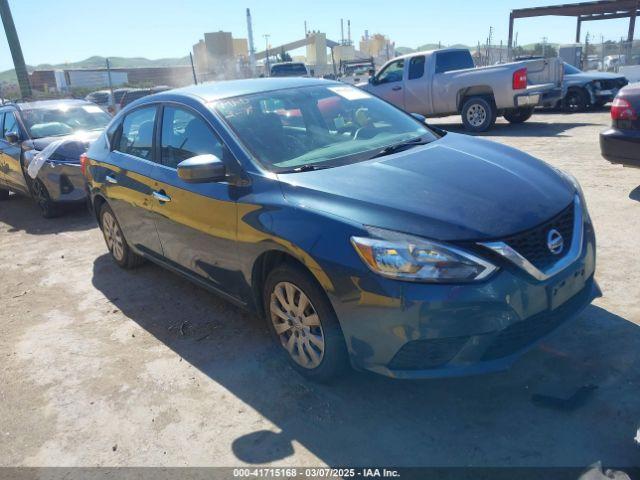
102, 366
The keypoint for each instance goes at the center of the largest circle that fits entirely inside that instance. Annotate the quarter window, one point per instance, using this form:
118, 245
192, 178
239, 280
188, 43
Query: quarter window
393, 72
137, 133
416, 67
186, 135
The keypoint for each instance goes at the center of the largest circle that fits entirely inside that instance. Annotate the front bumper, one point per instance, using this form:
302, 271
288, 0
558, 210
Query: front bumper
621, 146
414, 330
64, 181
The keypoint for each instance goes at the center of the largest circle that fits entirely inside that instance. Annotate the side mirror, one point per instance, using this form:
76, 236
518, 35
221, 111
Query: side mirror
12, 137
420, 118
372, 80
202, 169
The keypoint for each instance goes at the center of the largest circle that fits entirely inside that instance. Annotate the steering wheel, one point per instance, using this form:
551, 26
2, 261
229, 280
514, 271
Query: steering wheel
363, 131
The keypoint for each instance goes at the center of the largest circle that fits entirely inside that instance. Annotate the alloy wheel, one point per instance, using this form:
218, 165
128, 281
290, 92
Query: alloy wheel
476, 115
113, 236
297, 325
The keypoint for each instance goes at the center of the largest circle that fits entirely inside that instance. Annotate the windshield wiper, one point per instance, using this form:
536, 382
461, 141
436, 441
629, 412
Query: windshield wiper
400, 146
308, 167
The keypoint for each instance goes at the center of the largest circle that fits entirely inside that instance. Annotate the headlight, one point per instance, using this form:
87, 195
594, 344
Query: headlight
406, 257
574, 181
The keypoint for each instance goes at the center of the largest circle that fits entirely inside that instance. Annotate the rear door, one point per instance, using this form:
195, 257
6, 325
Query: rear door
388, 83
196, 222
417, 94
443, 87
12, 168
126, 178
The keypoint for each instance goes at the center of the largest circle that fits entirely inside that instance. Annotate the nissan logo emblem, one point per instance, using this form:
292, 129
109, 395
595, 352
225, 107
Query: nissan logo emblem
555, 242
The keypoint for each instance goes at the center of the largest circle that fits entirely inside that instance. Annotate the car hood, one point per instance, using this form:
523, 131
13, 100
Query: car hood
591, 76
456, 188
42, 143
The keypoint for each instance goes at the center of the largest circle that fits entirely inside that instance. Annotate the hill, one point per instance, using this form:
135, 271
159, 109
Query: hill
9, 76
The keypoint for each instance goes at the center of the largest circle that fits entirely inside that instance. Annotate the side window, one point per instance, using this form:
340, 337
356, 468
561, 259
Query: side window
416, 67
137, 133
10, 124
1, 129
449, 61
392, 73
186, 135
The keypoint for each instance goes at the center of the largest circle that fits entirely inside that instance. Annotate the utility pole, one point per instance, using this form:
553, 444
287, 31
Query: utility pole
112, 101
193, 69
16, 50
266, 51
544, 47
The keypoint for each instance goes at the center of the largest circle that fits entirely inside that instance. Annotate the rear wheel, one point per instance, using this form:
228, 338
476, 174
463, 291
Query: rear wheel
478, 114
575, 101
4, 194
48, 208
116, 243
303, 323
519, 115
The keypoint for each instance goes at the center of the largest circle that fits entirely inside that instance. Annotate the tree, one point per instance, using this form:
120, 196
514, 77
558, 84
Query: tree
284, 56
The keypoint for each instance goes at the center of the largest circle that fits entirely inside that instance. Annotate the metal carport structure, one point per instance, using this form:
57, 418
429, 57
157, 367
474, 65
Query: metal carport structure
584, 11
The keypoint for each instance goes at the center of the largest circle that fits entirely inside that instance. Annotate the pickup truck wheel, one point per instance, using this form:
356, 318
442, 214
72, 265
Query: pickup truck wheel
478, 114
519, 115
575, 100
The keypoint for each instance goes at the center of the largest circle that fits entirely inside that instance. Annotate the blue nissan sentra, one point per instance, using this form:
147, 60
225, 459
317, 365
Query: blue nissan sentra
360, 234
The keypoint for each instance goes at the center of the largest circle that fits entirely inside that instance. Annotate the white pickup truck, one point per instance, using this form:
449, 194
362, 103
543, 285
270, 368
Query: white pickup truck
445, 82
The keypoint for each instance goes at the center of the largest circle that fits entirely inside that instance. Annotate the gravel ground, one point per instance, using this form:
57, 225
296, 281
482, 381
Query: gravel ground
102, 366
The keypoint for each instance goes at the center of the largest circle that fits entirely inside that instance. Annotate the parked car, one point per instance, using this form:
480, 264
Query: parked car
104, 99
289, 69
359, 233
446, 82
621, 142
134, 94
27, 129
589, 89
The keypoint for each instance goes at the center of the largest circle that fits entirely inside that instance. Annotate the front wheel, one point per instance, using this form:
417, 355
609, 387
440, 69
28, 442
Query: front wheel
48, 208
116, 243
478, 114
519, 115
575, 100
303, 323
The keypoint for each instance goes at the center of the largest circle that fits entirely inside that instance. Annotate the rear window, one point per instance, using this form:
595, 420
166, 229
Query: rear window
448, 61
133, 96
98, 97
289, 69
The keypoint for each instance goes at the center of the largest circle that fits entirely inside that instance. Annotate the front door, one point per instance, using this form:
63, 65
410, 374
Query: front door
11, 165
388, 83
196, 221
126, 179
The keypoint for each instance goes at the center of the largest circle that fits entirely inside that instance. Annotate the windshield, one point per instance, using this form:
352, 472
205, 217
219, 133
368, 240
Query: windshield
63, 120
321, 126
570, 69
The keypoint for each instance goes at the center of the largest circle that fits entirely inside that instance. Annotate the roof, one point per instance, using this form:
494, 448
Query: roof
429, 52
49, 104
233, 88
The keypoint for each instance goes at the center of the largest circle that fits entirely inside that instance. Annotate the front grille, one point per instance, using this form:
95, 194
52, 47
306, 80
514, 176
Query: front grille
522, 334
532, 244
424, 354
612, 83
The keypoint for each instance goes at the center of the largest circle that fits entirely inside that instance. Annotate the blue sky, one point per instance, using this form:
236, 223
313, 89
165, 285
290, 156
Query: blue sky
71, 30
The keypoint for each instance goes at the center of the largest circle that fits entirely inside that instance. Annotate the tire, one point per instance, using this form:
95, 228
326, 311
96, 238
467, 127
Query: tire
4, 194
116, 243
478, 114
600, 103
40, 194
575, 100
311, 340
519, 115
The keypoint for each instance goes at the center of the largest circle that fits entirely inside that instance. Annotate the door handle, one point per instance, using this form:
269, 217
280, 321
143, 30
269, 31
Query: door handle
110, 179
396, 88
161, 196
